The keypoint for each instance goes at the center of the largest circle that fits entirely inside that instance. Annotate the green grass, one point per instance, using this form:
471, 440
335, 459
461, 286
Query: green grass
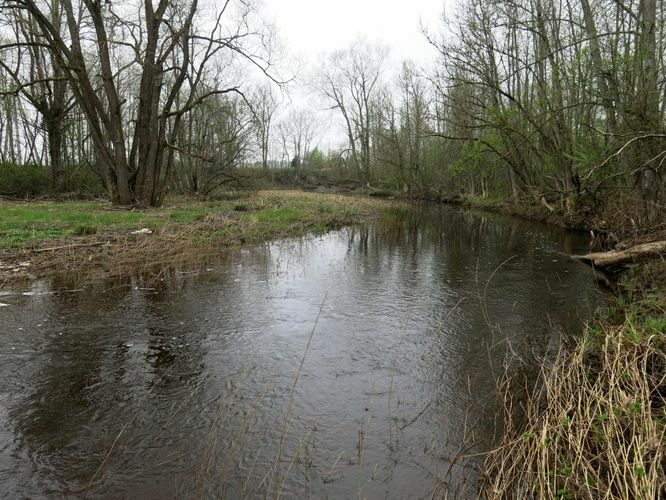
188, 216
278, 215
252, 218
489, 202
30, 223
21, 223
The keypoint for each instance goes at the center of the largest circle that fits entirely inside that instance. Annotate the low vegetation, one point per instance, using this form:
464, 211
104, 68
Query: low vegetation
594, 424
88, 237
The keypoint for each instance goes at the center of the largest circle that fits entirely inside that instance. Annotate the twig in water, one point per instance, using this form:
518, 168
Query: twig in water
293, 460
249, 476
417, 415
333, 467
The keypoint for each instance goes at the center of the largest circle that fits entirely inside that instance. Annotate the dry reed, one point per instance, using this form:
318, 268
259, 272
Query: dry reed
594, 426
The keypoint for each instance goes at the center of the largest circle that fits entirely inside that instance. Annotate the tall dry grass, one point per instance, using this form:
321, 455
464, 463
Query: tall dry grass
593, 428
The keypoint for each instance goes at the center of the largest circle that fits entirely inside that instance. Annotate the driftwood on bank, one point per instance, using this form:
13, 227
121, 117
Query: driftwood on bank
618, 258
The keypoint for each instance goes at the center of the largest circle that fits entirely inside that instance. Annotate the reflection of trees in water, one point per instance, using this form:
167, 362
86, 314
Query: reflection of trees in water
444, 258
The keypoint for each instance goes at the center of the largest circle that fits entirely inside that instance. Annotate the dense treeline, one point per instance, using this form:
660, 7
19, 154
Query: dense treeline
559, 103
562, 101
555, 102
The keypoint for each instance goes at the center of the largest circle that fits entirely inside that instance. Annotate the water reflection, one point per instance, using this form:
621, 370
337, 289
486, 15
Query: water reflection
180, 386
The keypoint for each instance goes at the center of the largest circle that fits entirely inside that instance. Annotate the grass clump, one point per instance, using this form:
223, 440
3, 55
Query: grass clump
595, 426
485, 202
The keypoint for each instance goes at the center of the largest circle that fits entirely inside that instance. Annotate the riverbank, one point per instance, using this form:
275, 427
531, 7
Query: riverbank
529, 211
88, 238
594, 423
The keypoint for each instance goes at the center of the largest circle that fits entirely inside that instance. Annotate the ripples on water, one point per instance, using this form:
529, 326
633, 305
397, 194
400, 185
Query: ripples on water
181, 389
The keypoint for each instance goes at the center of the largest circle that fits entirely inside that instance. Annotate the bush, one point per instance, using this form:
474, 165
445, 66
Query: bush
82, 179
24, 180
32, 180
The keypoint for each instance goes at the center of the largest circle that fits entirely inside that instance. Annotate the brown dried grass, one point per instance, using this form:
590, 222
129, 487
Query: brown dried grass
593, 429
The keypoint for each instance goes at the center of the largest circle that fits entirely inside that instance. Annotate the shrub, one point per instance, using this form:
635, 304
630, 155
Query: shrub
24, 180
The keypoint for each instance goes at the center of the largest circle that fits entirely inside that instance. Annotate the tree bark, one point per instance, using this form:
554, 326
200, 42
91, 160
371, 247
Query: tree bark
55, 133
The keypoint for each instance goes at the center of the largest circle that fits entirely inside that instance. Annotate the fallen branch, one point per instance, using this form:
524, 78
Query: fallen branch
417, 415
10, 198
619, 258
67, 247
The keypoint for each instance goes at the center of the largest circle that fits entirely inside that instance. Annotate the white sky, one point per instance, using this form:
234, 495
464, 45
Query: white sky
308, 28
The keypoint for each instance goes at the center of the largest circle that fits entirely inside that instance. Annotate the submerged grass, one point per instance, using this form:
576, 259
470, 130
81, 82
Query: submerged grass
594, 424
93, 236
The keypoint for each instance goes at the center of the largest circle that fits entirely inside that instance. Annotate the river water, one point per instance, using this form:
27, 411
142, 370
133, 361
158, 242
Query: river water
361, 363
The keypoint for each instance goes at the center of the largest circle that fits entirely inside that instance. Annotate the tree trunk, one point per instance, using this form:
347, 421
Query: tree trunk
604, 81
55, 132
647, 106
619, 258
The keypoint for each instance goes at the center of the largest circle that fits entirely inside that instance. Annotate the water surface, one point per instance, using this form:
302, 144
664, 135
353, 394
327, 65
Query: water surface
185, 387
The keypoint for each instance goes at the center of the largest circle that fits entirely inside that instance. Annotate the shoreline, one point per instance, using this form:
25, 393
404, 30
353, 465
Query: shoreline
593, 423
93, 239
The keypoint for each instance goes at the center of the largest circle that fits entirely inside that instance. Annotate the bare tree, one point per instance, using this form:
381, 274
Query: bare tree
414, 115
167, 49
350, 81
299, 131
264, 105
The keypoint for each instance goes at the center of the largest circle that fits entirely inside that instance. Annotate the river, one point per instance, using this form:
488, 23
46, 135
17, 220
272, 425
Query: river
361, 363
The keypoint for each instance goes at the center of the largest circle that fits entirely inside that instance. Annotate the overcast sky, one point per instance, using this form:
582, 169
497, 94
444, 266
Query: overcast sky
308, 28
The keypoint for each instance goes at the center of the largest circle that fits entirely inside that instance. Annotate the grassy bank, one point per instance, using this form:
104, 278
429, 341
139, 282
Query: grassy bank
594, 424
90, 237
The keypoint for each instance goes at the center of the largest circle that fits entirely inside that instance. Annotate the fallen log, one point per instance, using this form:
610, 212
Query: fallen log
620, 258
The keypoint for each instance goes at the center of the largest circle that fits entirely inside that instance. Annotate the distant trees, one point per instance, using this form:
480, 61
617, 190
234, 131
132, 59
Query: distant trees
265, 105
350, 82
298, 132
414, 103
404, 149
